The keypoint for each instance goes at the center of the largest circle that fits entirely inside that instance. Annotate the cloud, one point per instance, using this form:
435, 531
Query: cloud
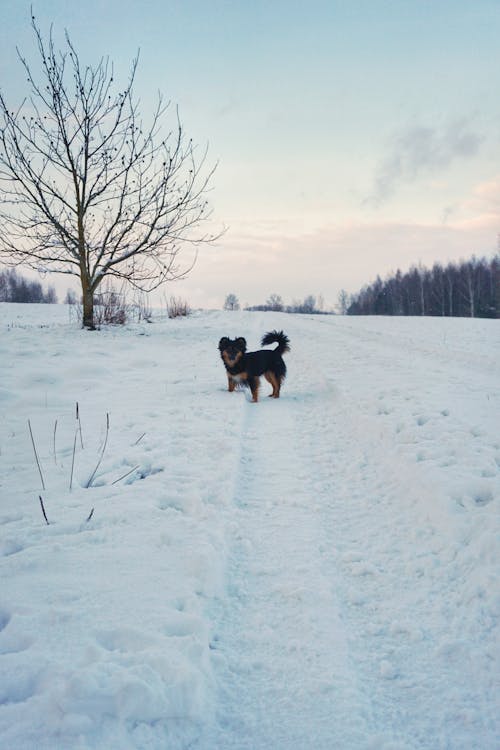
420, 151
480, 209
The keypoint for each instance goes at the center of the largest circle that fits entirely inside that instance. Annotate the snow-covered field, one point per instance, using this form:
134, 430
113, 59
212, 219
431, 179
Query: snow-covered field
319, 571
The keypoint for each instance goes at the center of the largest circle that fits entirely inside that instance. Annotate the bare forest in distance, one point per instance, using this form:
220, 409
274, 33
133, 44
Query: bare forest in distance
16, 288
466, 289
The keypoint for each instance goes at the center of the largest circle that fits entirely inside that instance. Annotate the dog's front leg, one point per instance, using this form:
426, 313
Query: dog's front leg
230, 383
254, 387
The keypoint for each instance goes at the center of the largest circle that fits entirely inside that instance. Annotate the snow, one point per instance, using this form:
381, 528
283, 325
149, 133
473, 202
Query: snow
318, 571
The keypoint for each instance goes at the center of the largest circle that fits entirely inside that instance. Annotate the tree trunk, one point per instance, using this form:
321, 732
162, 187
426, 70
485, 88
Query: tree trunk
88, 305
450, 297
471, 295
422, 295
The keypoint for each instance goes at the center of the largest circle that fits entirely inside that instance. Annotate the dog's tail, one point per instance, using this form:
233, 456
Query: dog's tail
278, 336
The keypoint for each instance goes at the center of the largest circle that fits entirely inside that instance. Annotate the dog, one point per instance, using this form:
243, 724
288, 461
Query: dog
245, 368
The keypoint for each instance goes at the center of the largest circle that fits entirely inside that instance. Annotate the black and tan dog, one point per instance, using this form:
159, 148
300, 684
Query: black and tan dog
245, 368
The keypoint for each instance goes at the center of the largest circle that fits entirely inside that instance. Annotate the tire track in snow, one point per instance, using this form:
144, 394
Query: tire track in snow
281, 651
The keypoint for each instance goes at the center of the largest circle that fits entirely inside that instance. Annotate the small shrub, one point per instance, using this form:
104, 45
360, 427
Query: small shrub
110, 307
177, 307
142, 308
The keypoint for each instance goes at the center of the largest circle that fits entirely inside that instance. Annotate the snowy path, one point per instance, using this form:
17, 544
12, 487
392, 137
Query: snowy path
282, 644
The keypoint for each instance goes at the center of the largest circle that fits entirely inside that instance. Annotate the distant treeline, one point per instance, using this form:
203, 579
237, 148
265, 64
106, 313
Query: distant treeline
466, 289
16, 288
310, 305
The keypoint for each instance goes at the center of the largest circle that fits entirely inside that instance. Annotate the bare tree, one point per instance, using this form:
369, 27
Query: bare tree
469, 286
87, 188
231, 302
343, 302
275, 302
70, 298
309, 304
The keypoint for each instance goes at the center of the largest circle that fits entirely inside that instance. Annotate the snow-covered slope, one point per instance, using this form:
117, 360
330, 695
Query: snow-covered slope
319, 571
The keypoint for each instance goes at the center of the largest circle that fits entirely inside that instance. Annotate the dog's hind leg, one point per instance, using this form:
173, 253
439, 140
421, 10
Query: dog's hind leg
271, 378
254, 383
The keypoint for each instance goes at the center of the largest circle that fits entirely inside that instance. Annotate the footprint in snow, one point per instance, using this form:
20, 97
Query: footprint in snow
19, 685
125, 640
387, 670
9, 547
483, 498
4, 619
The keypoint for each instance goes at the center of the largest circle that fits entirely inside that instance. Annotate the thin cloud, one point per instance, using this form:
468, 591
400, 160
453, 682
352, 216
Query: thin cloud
419, 151
481, 208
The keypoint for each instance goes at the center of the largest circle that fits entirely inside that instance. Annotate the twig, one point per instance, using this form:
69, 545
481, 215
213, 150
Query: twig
43, 510
126, 475
79, 424
73, 461
36, 455
139, 439
102, 452
55, 430
90, 515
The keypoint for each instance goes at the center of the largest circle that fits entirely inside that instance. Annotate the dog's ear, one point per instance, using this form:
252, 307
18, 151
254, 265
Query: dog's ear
223, 343
241, 344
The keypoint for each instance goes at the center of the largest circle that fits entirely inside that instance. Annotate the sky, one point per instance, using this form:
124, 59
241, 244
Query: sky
352, 138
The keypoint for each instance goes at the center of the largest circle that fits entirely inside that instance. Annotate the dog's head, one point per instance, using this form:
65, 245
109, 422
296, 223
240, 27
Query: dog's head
232, 350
